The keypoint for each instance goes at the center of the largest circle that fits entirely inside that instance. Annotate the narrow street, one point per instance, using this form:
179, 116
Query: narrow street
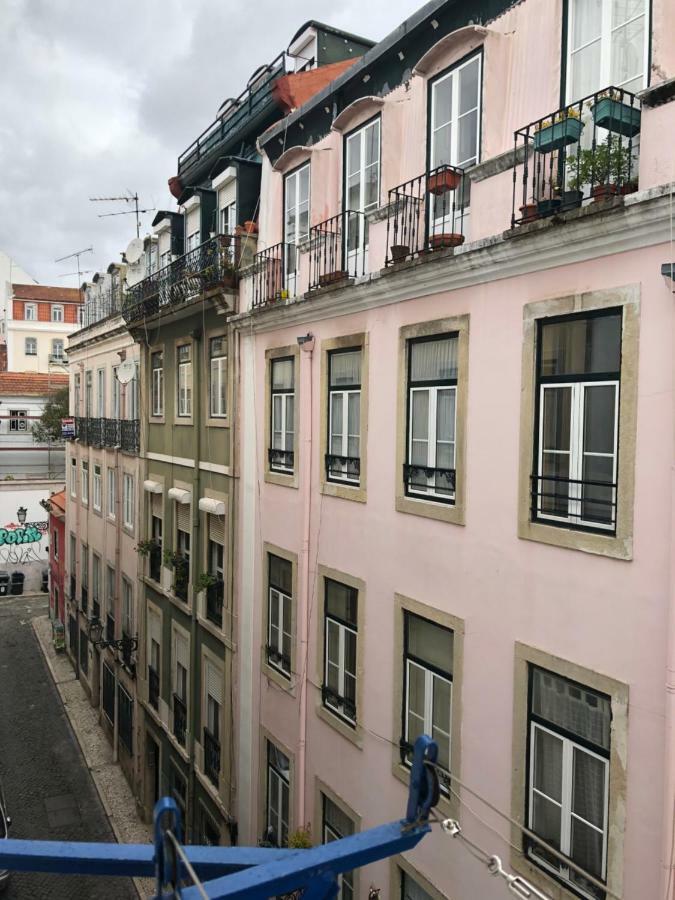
50, 794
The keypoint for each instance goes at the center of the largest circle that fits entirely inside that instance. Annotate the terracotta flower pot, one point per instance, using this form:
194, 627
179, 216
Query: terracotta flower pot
251, 227
528, 213
601, 192
443, 181
399, 252
449, 239
331, 277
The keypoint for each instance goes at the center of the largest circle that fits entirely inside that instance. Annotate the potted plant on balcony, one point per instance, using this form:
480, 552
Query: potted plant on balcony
443, 240
610, 112
145, 548
605, 167
529, 212
205, 581
399, 252
444, 179
327, 278
563, 128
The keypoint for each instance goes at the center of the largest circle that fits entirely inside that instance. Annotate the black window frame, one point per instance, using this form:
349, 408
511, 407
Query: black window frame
275, 657
540, 380
331, 459
275, 454
326, 692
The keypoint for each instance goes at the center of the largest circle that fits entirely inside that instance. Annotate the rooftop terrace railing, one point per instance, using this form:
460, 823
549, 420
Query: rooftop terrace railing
586, 151
100, 307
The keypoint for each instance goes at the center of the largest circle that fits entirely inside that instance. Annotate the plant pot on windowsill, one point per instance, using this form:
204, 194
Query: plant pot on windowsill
628, 188
399, 252
548, 207
601, 192
332, 277
528, 213
571, 199
447, 239
442, 182
617, 117
250, 227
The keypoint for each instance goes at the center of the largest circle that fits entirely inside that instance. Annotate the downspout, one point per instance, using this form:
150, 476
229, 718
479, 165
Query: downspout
307, 347
196, 336
119, 484
233, 343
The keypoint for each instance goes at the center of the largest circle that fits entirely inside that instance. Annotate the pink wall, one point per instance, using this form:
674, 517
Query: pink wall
607, 615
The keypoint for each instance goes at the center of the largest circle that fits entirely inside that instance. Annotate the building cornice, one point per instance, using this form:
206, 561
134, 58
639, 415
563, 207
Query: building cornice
639, 220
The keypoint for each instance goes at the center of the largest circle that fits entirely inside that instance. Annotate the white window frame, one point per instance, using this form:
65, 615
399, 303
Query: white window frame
227, 217
342, 474
116, 395
566, 814
330, 834
357, 259
576, 452
127, 606
128, 501
57, 313
277, 785
428, 719
30, 312
157, 375
18, 420
32, 343
281, 398
343, 631
73, 476
100, 393
284, 603
217, 380
112, 492
183, 392
192, 241
294, 201
85, 481
96, 487
605, 38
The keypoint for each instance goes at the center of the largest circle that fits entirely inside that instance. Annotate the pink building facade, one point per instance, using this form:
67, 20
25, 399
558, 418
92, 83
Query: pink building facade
455, 457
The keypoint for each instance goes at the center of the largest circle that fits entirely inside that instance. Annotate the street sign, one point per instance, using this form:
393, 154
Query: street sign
67, 428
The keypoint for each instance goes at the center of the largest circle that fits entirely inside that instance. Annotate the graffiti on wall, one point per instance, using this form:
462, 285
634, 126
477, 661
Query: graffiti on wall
20, 543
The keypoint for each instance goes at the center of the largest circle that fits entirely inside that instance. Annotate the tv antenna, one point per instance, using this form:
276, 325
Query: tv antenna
76, 255
127, 198
78, 273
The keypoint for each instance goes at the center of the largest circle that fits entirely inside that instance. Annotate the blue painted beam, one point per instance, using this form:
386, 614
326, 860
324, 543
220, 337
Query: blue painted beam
301, 867
126, 859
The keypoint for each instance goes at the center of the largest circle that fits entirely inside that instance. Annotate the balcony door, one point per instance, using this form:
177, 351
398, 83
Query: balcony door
362, 192
454, 137
607, 44
296, 225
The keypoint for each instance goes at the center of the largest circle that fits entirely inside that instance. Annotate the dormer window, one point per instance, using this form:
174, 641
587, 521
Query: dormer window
57, 314
30, 312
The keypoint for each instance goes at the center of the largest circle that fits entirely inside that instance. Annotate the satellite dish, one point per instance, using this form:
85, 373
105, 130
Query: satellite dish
126, 370
134, 251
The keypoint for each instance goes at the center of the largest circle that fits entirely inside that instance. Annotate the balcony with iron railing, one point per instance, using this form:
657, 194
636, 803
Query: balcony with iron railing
96, 608
95, 432
124, 434
210, 266
84, 598
426, 214
73, 588
586, 152
103, 305
153, 687
130, 430
179, 719
275, 274
109, 627
574, 503
211, 757
338, 249
111, 432
215, 594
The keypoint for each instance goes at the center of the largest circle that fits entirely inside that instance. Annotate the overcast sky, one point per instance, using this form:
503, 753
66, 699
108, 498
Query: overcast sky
99, 98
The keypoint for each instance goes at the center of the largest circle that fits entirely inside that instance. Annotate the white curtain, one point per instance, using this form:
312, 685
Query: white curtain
434, 360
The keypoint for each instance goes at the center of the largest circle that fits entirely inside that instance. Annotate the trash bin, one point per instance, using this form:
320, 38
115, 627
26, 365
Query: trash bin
45, 581
16, 586
4, 583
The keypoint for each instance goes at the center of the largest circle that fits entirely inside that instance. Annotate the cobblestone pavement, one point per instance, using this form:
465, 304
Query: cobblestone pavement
49, 790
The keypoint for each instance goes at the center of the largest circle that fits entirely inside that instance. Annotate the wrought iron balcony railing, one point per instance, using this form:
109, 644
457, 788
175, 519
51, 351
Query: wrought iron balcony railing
235, 115
344, 706
421, 480
215, 594
573, 503
109, 627
95, 432
338, 249
57, 359
206, 267
281, 460
278, 660
275, 273
153, 687
343, 468
426, 213
179, 720
97, 308
211, 757
111, 432
95, 608
130, 435
81, 431
587, 151
84, 598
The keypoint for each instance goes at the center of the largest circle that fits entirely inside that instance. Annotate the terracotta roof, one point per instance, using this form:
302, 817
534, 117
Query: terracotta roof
35, 383
58, 501
291, 91
45, 292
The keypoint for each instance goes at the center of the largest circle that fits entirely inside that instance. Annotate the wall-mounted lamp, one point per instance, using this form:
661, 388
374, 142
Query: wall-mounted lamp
434, 24
366, 78
401, 55
21, 514
306, 342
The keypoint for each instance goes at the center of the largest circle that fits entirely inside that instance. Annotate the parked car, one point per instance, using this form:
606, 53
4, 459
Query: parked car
5, 822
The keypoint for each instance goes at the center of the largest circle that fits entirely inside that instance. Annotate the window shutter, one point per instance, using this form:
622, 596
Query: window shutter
156, 505
154, 628
183, 516
217, 529
214, 687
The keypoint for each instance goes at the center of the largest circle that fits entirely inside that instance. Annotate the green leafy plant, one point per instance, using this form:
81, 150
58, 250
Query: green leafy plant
608, 163
301, 838
205, 581
47, 429
144, 548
